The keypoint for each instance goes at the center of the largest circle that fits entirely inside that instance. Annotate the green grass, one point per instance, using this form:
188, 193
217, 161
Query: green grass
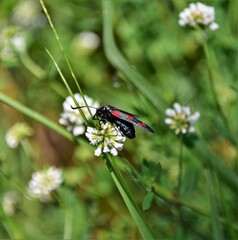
161, 186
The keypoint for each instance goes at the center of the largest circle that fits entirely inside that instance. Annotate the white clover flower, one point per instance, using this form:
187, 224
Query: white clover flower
12, 41
10, 200
16, 133
108, 140
72, 118
180, 119
44, 182
87, 40
198, 13
30, 18
19, 42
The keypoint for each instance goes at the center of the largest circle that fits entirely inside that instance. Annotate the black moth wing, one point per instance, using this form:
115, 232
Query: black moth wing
125, 127
104, 114
122, 111
129, 117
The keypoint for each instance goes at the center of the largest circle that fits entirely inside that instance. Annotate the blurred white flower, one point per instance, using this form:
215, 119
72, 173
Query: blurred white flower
180, 119
10, 200
16, 133
72, 117
108, 140
198, 13
87, 40
19, 42
44, 182
27, 13
12, 41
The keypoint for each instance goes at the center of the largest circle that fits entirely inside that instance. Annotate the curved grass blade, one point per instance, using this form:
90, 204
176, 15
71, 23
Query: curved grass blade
119, 62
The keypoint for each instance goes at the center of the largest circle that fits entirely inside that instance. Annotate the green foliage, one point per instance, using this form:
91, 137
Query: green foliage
161, 186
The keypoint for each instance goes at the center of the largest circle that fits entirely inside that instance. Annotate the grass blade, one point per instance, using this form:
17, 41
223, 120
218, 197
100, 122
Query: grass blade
36, 116
119, 62
129, 199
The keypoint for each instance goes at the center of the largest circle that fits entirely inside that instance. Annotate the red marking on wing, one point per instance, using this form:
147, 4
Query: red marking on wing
130, 117
141, 124
115, 113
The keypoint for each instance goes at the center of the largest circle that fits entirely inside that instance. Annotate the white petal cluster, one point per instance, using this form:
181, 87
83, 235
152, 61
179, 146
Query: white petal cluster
44, 182
180, 119
198, 13
12, 41
108, 140
16, 133
9, 201
88, 40
71, 118
33, 17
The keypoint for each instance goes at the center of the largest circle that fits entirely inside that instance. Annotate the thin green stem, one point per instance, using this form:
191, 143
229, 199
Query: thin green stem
128, 198
217, 233
68, 87
68, 225
31, 66
12, 229
38, 117
65, 57
180, 231
180, 165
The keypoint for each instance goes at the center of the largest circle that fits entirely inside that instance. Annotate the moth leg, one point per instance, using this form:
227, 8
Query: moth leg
102, 121
117, 128
95, 117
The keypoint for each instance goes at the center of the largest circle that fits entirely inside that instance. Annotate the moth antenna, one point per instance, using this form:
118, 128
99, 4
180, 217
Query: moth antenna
82, 107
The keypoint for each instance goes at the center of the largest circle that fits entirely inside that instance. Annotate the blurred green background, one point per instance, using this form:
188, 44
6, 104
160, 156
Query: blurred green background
172, 60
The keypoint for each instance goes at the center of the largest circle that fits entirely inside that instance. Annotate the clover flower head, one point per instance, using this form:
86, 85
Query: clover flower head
180, 119
30, 18
198, 13
44, 182
88, 40
10, 201
108, 140
17, 133
71, 118
12, 41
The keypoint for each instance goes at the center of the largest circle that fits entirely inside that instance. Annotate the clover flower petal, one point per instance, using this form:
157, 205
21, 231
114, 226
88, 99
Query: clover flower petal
44, 182
17, 133
198, 13
108, 140
9, 201
88, 40
71, 118
180, 119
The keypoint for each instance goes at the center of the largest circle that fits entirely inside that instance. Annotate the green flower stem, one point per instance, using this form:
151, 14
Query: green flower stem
68, 225
180, 232
119, 62
31, 66
217, 233
68, 87
66, 59
11, 228
128, 198
180, 164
